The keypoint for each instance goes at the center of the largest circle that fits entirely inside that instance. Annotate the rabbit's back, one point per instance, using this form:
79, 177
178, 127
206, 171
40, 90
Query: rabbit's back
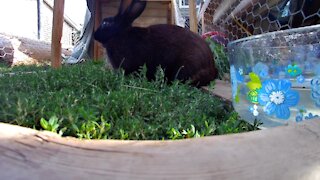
182, 54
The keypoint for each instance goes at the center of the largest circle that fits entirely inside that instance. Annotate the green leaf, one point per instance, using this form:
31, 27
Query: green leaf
44, 124
53, 120
192, 131
54, 128
123, 135
107, 126
175, 134
196, 135
255, 82
61, 131
237, 98
75, 127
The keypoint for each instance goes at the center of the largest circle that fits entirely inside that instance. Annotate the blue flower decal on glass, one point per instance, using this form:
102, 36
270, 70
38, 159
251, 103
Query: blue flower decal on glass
234, 82
300, 79
307, 66
276, 96
240, 71
317, 70
315, 91
261, 70
301, 111
299, 117
239, 75
311, 116
293, 70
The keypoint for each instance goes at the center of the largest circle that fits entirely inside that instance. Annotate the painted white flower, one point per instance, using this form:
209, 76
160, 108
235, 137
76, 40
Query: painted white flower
256, 113
240, 71
254, 110
277, 97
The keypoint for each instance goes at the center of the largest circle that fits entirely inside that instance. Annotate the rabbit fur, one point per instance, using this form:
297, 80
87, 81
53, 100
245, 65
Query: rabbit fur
182, 54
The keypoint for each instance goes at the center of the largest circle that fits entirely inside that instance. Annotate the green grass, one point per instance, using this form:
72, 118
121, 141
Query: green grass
16, 69
220, 58
88, 101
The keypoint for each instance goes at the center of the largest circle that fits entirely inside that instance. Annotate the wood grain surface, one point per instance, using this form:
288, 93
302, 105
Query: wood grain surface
290, 152
222, 89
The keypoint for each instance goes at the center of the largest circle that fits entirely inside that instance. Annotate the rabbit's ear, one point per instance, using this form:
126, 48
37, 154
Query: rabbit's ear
124, 5
133, 11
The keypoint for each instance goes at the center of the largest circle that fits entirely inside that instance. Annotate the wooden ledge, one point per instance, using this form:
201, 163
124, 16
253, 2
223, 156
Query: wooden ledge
222, 89
288, 152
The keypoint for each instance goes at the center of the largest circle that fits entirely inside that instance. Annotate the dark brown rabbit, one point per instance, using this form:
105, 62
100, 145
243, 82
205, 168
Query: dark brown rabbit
182, 54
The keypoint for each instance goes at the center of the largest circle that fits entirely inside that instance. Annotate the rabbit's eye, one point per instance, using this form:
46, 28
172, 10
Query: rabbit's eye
106, 23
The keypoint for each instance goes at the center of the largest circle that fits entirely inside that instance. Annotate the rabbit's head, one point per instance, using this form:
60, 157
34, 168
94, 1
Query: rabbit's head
129, 10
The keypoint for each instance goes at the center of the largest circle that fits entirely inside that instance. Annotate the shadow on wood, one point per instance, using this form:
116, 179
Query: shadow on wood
288, 152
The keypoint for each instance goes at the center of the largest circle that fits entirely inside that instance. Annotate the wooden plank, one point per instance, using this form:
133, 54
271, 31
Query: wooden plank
222, 89
152, 9
288, 152
57, 26
193, 16
150, 21
153, 5
158, 0
25, 51
203, 24
173, 13
142, 0
150, 12
97, 21
170, 19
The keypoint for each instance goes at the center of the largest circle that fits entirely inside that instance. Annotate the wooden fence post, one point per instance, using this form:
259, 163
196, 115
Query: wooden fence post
193, 16
172, 12
57, 26
97, 22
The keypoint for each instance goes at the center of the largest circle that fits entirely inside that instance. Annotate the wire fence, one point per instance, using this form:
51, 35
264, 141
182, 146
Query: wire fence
225, 21
6, 51
187, 25
242, 18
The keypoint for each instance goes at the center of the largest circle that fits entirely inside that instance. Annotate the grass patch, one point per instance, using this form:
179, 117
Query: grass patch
220, 58
88, 101
4, 69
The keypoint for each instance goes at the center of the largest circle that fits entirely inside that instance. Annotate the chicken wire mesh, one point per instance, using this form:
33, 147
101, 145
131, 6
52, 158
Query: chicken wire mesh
224, 21
6, 51
242, 18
